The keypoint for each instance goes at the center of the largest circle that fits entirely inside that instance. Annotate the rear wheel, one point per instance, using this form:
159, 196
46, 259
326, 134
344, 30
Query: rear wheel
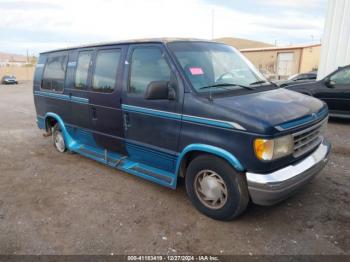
215, 188
58, 139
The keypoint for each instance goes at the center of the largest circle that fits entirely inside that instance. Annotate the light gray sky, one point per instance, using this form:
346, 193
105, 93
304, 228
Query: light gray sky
39, 25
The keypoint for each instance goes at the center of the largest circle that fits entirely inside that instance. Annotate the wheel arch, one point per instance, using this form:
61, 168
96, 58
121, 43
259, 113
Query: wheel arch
193, 150
51, 117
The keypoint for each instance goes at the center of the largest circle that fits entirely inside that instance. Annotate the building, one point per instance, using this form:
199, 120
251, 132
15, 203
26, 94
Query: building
241, 43
284, 61
335, 50
12, 60
18, 65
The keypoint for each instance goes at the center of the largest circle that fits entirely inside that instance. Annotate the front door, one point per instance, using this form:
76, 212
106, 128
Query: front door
151, 127
105, 96
337, 93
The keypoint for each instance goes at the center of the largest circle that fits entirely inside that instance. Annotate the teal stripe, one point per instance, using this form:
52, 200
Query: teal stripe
206, 121
171, 115
79, 99
147, 111
75, 99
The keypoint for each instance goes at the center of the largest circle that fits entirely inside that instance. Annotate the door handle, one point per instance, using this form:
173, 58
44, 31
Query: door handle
94, 113
126, 119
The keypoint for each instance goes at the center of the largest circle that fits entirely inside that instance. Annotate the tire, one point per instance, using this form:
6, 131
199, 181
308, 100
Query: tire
211, 174
58, 139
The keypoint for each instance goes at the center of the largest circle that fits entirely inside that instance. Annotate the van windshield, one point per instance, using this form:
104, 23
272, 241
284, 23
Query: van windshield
216, 66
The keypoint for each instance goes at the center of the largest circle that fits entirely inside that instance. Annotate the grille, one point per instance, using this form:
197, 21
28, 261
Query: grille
308, 139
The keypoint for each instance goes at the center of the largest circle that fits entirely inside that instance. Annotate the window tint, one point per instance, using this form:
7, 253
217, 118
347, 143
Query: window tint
301, 77
82, 71
147, 65
342, 77
106, 70
311, 76
55, 72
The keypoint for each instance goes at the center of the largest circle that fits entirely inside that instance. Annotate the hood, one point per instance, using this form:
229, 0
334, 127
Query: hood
266, 110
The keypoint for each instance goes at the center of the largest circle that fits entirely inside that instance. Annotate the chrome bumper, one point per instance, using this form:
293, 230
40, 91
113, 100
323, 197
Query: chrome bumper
268, 189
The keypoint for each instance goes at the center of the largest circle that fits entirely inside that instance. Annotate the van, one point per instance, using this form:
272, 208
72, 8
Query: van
170, 109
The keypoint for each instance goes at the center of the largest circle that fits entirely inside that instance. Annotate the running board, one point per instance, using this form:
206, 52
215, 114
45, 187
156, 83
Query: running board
141, 170
105, 157
127, 165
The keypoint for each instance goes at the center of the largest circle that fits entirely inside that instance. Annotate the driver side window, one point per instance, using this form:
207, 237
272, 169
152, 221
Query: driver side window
147, 65
342, 77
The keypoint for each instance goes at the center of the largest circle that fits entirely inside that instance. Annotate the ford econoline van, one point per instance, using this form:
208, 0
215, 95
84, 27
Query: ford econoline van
165, 109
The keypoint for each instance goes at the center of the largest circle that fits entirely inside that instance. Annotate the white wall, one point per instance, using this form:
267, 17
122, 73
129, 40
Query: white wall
335, 49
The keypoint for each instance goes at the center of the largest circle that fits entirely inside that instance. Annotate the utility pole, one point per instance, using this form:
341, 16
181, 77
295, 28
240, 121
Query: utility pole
212, 23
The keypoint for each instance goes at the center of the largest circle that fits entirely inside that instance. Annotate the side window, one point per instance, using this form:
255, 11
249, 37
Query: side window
147, 65
312, 76
55, 72
82, 71
301, 77
342, 77
105, 72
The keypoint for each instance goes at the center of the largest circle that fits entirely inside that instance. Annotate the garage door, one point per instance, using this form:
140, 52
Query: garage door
285, 63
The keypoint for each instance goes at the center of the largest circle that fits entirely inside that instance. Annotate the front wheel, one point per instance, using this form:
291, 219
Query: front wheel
58, 139
215, 188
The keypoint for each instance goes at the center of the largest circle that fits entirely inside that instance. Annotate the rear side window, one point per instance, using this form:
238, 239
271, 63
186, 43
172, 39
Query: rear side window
106, 68
82, 71
147, 65
55, 72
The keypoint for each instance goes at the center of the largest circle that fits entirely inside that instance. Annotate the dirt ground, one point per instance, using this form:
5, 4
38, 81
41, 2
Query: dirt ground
52, 203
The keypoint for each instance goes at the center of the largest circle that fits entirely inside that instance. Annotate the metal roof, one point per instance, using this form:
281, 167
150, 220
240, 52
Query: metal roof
272, 48
131, 41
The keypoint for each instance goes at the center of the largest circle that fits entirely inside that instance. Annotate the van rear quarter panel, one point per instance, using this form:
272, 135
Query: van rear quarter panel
45, 104
40, 103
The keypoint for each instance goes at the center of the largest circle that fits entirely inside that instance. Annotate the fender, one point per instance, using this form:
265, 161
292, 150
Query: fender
212, 150
70, 142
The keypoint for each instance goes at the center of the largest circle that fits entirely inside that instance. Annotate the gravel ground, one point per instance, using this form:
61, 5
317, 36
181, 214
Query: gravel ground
52, 203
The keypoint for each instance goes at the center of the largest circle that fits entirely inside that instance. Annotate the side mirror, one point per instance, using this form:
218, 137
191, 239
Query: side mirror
158, 90
329, 83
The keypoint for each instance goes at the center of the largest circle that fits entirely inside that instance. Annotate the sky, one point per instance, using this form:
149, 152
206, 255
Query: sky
41, 25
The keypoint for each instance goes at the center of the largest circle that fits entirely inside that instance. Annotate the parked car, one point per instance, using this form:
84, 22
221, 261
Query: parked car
334, 89
164, 109
298, 79
8, 80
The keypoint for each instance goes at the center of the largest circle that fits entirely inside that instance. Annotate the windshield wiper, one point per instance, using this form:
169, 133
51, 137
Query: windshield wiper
226, 84
258, 82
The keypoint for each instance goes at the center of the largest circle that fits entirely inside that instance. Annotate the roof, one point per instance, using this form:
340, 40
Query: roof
276, 48
131, 41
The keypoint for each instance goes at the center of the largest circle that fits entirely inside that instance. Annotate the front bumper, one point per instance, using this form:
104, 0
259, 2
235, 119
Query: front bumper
268, 189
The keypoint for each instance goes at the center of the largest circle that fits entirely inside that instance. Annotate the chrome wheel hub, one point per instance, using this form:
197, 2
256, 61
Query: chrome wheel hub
59, 143
210, 189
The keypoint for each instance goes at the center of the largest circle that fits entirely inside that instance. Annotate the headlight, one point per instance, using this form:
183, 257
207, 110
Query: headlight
271, 149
